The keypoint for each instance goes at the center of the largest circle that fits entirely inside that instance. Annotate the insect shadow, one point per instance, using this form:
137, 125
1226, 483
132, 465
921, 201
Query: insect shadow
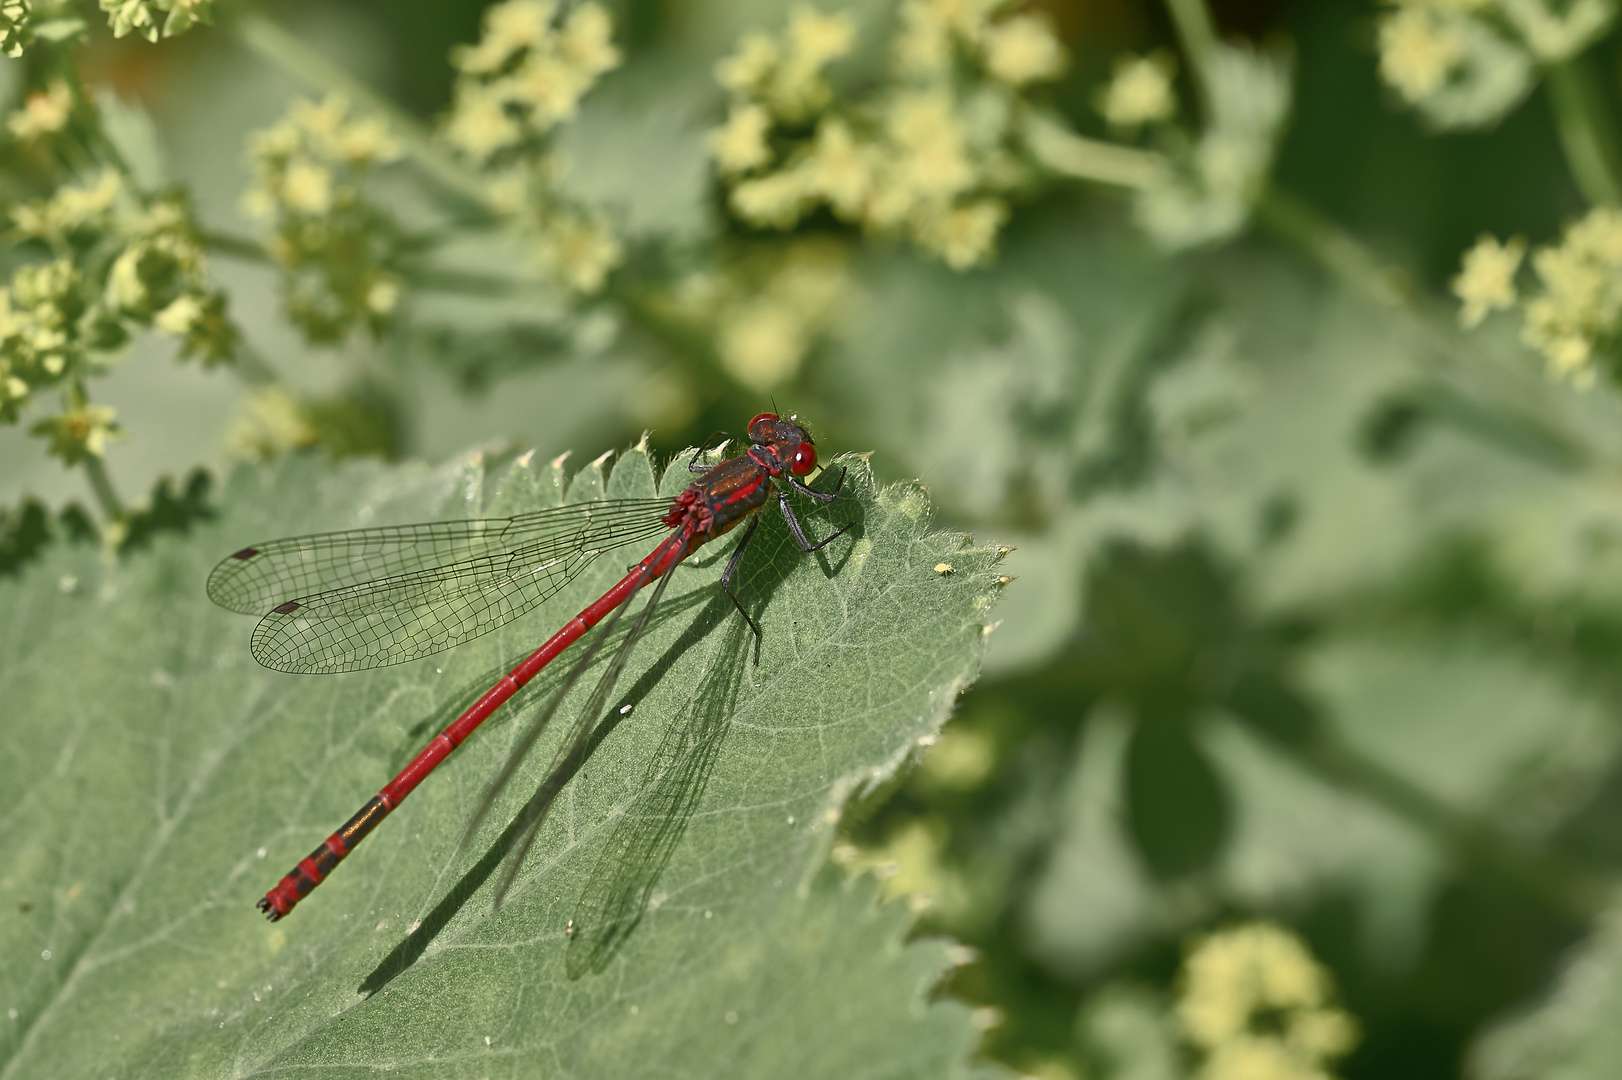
636, 853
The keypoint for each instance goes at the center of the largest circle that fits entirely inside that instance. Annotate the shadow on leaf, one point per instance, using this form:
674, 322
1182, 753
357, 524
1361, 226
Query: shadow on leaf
635, 855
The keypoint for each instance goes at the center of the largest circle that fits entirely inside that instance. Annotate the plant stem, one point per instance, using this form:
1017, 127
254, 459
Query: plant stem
1069, 154
102, 486
1341, 253
269, 41
253, 368
236, 247
1197, 32
462, 282
246, 362
1582, 127
421, 275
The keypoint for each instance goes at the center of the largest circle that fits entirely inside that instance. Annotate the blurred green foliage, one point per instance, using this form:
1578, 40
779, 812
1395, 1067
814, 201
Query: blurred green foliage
1317, 594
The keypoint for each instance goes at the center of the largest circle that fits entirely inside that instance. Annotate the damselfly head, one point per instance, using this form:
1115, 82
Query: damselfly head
788, 440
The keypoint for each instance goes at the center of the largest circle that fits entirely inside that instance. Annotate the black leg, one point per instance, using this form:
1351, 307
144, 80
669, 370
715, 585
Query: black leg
726, 582
692, 462
794, 525
795, 483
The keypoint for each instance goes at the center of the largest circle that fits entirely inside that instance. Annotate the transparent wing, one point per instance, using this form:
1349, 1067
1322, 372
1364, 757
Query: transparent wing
369, 598
633, 858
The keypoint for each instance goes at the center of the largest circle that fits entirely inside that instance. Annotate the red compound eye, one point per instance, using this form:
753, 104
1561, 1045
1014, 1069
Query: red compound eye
805, 459
763, 416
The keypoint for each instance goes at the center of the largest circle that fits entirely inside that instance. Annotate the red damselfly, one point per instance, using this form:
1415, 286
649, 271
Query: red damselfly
368, 598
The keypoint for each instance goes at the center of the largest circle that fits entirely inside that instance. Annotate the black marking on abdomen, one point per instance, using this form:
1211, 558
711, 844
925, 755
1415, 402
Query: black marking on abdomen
355, 829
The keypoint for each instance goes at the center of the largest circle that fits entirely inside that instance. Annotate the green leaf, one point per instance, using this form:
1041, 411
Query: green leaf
1476, 723
1575, 1032
1236, 400
154, 782
1176, 806
1130, 1034
23, 532
60, 31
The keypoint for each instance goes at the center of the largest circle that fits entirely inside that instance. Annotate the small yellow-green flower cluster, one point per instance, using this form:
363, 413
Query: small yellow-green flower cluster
1580, 305
527, 75
44, 112
45, 322
14, 30
269, 424
927, 155
123, 260
785, 78
1465, 63
770, 308
41, 331
1420, 47
154, 19
160, 280
142, 257
1577, 312
1486, 281
1140, 92
71, 212
23, 22
764, 334
1013, 49
79, 432
575, 244
112, 258
337, 248
1255, 1003
909, 865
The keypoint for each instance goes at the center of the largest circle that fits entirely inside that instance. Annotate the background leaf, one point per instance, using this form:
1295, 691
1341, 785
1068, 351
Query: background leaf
1573, 1033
